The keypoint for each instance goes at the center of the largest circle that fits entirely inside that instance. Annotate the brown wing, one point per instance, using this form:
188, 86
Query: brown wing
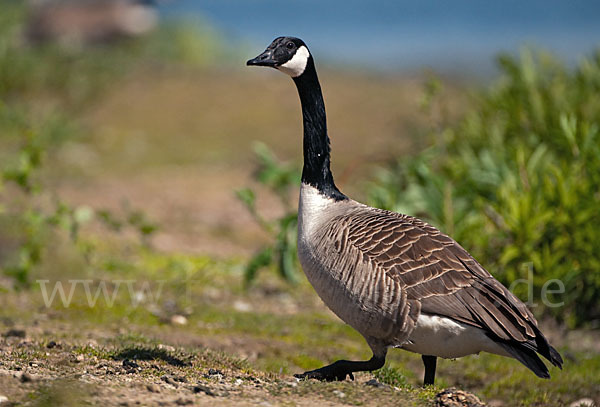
436, 271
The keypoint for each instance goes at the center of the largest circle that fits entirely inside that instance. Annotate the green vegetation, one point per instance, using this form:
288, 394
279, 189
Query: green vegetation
516, 183
280, 179
43, 90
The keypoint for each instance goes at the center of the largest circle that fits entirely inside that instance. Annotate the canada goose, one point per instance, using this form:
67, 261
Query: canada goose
397, 280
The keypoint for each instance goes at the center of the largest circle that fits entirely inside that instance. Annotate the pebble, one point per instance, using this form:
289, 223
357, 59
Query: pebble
26, 378
179, 320
214, 372
340, 394
51, 344
167, 348
152, 388
184, 402
242, 306
374, 383
456, 398
585, 402
169, 380
3, 399
200, 388
129, 364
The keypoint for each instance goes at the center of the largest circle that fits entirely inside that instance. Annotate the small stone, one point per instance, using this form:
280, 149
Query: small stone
178, 320
51, 345
374, 383
26, 377
184, 402
169, 380
339, 393
214, 372
200, 388
128, 364
585, 402
152, 388
3, 399
457, 398
167, 348
242, 306
79, 358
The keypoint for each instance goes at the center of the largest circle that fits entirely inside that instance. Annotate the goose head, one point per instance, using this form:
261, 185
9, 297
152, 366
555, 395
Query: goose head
286, 54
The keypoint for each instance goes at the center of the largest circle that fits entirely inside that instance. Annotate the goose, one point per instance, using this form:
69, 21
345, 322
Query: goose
398, 281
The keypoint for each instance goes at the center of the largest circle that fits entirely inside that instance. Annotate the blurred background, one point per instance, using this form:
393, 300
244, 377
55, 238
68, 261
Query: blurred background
135, 144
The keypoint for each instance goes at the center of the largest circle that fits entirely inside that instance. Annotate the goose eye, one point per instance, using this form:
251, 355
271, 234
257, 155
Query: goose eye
290, 45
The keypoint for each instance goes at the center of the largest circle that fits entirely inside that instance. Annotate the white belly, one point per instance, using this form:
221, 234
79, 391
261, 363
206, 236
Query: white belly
447, 338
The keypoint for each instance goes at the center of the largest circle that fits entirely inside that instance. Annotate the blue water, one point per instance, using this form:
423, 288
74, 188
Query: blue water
456, 36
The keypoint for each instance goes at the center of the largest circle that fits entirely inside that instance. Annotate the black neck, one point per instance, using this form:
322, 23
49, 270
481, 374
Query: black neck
316, 171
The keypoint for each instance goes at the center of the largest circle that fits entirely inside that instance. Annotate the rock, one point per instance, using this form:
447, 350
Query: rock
374, 383
214, 372
167, 348
51, 345
178, 320
200, 388
184, 402
130, 365
242, 306
15, 333
339, 393
152, 388
457, 398
585, 402
26, 378
3, 399
169, 380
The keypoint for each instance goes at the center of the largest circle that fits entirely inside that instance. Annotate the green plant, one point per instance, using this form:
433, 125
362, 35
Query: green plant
280, 179
392, 376
32, 218
516, 182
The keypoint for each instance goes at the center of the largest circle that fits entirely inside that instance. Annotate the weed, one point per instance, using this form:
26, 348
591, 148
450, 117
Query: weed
516, 183
282, 253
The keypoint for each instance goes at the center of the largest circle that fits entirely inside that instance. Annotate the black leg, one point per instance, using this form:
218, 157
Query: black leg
342, 368
429, 362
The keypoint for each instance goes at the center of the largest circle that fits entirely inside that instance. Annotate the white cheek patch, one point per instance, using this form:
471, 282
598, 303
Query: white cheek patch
296, 66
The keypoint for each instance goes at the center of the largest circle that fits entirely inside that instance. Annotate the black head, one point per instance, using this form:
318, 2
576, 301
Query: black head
287, 54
